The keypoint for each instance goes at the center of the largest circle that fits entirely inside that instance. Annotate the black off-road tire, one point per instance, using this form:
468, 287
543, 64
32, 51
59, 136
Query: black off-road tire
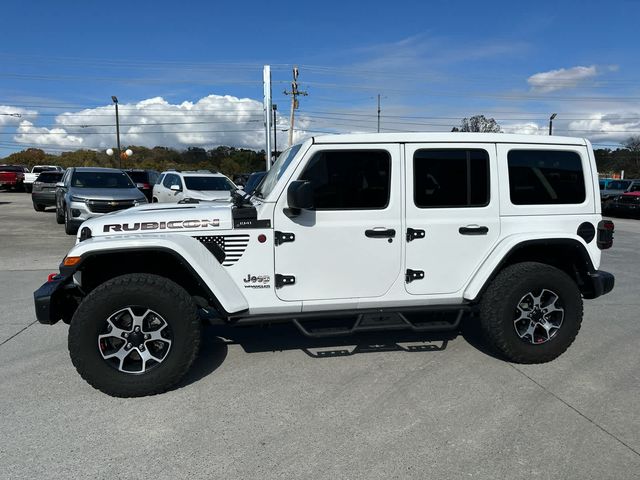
157, 293
499, 303
59, 216
38, 207
69, 227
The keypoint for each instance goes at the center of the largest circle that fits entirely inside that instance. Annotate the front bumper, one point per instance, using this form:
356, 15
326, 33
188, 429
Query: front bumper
56, 300
598, 283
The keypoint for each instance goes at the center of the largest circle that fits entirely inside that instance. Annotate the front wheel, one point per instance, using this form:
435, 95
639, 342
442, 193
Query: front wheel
69, 228
59, 215
38, 207
135, 335
531, 312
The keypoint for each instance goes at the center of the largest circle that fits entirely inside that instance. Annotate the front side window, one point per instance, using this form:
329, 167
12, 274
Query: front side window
349, 179
172, 179
545, 177
451, 178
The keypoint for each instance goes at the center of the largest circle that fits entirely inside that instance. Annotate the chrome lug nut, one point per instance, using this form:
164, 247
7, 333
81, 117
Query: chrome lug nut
129, 345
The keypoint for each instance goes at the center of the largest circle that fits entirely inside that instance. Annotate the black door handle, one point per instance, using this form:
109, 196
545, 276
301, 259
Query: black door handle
473, 230
387, 233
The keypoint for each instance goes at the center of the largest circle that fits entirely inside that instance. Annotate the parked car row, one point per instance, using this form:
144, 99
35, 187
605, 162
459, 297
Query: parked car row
626, 202
81, 193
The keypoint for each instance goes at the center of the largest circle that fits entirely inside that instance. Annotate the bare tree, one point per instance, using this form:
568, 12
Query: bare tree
633, 145
478, 123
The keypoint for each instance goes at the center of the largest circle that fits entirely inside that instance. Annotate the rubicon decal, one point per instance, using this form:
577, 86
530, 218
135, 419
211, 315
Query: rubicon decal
170, 225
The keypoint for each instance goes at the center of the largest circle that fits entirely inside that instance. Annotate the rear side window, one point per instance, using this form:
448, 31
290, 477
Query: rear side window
349, 179
543, 177
451, 178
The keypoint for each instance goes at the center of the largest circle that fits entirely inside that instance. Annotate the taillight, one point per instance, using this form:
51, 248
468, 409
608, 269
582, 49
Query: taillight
606, 228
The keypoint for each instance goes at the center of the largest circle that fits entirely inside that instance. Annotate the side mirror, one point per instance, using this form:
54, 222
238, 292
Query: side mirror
299, 197
175, 188
59, 184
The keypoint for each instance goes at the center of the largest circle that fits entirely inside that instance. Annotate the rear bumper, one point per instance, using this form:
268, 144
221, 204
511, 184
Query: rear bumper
44, 198
598, 283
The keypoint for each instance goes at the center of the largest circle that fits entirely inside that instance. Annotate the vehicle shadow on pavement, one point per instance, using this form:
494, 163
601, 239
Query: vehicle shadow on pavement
280, 337
285, 336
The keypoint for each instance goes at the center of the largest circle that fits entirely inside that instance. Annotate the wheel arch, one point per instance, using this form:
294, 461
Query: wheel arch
185, 261
567, 254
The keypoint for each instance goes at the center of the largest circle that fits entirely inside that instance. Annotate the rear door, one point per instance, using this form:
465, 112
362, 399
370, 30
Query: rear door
452, 207
349, 245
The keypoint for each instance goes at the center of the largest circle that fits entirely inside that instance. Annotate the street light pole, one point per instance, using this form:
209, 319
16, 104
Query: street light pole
275, 132
551, 123
115, 101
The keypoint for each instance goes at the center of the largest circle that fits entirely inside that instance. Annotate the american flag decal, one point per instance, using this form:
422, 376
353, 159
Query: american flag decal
233, 246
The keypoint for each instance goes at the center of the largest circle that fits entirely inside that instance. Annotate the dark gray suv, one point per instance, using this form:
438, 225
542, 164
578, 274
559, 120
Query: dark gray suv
87, 192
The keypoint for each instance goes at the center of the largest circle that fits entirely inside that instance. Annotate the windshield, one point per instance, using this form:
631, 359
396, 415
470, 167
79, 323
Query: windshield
618, 185
42, 169
49, 177
276, 171
101, 180
208, 183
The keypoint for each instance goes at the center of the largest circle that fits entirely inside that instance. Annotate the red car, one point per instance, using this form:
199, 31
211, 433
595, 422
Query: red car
12, 176
628, 202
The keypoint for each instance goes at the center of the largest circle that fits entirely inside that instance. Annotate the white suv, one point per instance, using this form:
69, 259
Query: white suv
173, 186
346, 234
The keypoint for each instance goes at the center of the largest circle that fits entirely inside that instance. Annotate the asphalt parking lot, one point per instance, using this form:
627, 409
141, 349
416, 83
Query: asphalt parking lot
268, 403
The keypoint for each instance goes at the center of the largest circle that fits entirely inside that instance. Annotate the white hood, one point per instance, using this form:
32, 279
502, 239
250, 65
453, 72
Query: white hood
162, 218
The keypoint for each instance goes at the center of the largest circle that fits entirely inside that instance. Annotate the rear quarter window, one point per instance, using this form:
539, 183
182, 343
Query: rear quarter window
545, 177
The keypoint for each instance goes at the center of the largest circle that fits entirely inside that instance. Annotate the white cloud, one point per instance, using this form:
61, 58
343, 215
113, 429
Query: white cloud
610, 127
28, 133
209, 122
528, 128
13, 115
552, 80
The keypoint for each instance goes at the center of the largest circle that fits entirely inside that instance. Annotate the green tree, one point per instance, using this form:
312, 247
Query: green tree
478, 123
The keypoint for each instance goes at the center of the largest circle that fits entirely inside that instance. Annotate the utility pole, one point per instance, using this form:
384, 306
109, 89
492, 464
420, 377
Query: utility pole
115, 101
378, 113
294, 102
275, 132
551, 118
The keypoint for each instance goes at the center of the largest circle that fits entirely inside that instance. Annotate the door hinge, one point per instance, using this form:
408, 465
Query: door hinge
283, 280
413, 234
283, 237
412, 275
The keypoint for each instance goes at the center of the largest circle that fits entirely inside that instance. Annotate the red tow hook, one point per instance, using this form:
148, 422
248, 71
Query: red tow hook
53, 276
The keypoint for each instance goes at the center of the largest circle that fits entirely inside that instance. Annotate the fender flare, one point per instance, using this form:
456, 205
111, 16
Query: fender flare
502, 251
195, 256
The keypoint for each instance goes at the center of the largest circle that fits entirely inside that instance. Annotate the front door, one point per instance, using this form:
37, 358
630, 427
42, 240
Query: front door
349, 245
453, 217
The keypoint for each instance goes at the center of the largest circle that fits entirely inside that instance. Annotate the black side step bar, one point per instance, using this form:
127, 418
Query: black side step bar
371, 322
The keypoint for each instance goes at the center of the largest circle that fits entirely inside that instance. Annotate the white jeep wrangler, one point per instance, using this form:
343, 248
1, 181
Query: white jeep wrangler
346, 233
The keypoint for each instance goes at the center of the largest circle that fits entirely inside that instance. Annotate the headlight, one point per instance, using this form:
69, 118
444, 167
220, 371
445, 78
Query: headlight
78, 199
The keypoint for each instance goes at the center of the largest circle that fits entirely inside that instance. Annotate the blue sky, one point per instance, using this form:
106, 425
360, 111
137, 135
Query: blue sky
432, 62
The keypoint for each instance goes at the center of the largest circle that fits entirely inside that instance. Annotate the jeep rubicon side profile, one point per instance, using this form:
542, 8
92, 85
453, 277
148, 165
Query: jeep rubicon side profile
345, 233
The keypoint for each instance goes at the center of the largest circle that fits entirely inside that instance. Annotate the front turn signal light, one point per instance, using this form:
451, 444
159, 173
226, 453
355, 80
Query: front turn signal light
71, 261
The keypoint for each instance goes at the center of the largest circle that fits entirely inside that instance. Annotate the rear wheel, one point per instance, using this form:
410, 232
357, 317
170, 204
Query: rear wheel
135, 335
531, 312
38, 207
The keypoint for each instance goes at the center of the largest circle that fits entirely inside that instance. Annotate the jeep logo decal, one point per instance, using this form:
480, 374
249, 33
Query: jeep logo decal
171, 225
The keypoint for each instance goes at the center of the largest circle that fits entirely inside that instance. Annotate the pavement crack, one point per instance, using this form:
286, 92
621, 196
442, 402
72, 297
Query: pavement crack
18, 333
622, 442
